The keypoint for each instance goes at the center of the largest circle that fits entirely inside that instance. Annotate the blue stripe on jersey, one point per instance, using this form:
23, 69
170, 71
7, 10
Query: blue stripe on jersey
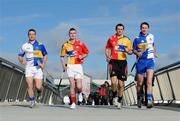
38, 46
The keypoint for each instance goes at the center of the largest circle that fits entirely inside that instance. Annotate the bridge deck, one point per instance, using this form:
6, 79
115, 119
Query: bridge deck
21, 112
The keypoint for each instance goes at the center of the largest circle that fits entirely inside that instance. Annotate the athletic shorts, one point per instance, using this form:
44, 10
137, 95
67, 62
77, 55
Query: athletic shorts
75, 71
118, 68
34, 71
144, 64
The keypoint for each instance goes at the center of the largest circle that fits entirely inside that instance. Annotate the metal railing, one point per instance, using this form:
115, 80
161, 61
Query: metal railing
13, 85
166, 87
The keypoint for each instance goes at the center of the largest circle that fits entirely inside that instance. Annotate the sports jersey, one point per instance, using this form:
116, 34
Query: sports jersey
73, 50
118, 46
144, 43
33, 53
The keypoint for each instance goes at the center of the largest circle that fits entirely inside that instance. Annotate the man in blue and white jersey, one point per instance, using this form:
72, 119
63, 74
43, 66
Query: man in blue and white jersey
143, 48
35, 60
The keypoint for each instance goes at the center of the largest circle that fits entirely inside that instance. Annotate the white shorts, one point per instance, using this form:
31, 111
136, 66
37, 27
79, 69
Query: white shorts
34, 71
75, 71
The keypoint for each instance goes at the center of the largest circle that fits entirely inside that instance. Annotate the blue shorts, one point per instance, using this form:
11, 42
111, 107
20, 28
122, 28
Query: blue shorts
144, 64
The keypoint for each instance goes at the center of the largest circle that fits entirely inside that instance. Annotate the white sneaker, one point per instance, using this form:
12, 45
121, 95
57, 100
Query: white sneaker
73, 106
119, 105
115, 101
80, 97
32, 105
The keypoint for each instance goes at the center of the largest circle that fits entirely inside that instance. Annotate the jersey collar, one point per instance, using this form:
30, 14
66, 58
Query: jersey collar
72, 43
120, 36
35, 42
142, 35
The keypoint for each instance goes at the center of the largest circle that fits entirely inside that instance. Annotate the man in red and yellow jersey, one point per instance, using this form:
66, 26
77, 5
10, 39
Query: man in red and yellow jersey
117, 47
75, 52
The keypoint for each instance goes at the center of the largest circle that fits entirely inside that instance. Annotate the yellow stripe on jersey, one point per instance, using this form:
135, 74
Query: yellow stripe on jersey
126, 42
66, 48
143, 46
37, 54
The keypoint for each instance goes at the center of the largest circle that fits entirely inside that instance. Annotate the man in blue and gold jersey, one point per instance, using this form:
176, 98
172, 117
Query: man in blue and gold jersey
35, 61
144, 49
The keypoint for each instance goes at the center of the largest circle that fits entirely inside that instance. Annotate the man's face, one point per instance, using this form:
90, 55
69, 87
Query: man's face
144, 29
72, 34
119, 30
32, 36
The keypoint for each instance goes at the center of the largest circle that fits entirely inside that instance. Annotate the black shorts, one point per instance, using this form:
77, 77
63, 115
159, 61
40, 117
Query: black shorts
118, 68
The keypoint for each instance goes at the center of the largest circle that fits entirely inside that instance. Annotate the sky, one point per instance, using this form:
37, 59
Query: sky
95, 21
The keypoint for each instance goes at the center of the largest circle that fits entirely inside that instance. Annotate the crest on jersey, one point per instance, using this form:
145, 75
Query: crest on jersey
77, 46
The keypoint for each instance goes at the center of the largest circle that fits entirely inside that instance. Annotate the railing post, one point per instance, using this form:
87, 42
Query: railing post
9, 84
19, 87
172, 90
160, 91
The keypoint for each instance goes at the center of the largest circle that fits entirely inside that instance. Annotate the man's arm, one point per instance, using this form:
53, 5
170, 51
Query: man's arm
108, 54
21, 56
85, 52
129, 49
43, 64
21, 60
63, 63
155, 54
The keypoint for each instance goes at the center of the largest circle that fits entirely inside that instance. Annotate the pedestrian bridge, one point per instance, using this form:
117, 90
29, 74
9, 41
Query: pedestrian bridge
22, 112
14, 105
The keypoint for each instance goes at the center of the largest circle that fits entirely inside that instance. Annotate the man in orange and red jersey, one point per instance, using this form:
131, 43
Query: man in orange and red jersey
117, 47
75, 51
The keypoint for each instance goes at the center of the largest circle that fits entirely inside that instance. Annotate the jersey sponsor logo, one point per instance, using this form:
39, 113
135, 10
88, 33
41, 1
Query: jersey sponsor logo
77, 46
71, 53
120, 48
38, 54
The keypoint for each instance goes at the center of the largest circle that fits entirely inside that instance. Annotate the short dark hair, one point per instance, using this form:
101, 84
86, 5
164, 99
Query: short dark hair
72, 29
31, 30
119, 25
146, 23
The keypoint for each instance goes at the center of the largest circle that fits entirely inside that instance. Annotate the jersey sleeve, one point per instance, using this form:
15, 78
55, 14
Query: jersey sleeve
84, 49
63, 51
129, 45
135, 44
108, 44
43, 49
21, 52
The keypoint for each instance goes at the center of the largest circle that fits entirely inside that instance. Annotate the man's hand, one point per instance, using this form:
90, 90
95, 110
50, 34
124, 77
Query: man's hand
81, 57
155, 55
139, 54
128, 51
108, 58
40, 64
22, 61
64, 67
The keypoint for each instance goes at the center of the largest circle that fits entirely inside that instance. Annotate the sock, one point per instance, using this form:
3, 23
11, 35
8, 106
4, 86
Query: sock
119, 99
149, 97
114, 94
73, 98
38, 91
32, 98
